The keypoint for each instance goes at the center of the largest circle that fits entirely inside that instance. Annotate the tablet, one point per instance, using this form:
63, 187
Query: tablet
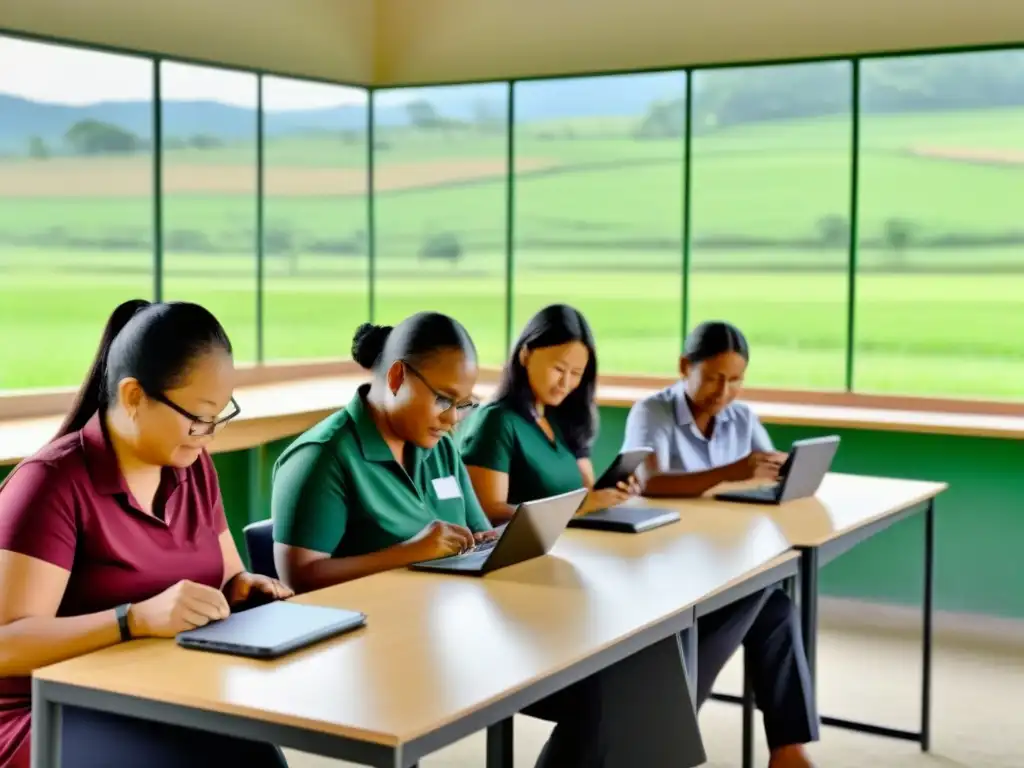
626, 519
625, 465
272, 630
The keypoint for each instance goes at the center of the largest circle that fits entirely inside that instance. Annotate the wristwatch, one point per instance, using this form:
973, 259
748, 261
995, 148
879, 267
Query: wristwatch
122, 621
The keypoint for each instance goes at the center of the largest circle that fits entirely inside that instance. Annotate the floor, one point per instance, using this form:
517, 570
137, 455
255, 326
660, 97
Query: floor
978, 710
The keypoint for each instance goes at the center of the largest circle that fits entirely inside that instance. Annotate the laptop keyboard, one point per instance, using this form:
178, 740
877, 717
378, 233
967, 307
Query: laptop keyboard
767, 492
483, 546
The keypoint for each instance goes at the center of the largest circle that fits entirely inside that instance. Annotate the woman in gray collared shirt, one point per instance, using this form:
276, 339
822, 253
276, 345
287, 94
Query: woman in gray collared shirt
702, 437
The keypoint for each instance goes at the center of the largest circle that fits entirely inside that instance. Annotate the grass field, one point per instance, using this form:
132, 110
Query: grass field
597, 223
927, 334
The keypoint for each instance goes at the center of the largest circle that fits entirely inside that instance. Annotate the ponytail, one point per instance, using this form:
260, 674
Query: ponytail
92, 395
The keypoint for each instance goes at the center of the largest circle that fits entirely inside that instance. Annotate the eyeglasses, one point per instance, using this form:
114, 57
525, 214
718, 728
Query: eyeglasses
200, 427
442, 401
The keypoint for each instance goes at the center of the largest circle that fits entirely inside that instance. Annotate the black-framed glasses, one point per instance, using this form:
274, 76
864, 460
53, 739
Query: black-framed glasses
200, 427
442, 401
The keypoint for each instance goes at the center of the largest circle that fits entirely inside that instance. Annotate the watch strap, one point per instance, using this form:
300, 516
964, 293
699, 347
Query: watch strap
122, 621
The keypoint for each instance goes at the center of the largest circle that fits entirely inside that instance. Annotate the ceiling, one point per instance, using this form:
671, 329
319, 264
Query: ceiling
387, 42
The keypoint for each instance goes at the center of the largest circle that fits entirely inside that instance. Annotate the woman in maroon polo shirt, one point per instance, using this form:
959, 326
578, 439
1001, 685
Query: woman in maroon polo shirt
116, 530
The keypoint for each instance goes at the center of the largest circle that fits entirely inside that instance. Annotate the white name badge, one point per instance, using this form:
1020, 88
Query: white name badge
447, 488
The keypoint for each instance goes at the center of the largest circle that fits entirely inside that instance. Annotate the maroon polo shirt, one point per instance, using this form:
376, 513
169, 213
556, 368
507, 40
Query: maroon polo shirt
69, 505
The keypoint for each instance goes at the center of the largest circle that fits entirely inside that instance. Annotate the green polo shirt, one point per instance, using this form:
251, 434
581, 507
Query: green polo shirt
498, 438
338, 488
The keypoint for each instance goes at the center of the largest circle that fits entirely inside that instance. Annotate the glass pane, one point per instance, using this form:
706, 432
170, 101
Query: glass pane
441, 161
940, 279
209, 195
770, 216
316, 279
598, 204
76, 204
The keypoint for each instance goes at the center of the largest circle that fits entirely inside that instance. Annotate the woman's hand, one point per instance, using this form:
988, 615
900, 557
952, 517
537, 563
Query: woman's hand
483, 536
603, 499
439, 539
245, 586
184, 606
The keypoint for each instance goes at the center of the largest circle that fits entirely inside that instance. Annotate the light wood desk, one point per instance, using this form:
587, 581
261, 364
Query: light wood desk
441, 657
846, 510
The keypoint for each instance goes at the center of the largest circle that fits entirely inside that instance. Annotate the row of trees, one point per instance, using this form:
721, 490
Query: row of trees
94, 137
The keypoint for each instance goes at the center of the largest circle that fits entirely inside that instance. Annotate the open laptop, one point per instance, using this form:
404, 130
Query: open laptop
625, 518
272, 630
800, 477
532, 532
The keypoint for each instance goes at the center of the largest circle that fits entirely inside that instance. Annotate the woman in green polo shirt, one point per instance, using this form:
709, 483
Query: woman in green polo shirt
533, 440
379, 485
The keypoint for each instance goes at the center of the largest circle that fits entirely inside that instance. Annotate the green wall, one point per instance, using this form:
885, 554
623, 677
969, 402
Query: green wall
979, 521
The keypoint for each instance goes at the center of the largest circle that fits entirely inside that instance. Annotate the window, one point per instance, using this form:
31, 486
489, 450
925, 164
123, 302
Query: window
440, 181
316, 286
209, 195
598, 210
76, 204
940, 267
770, 223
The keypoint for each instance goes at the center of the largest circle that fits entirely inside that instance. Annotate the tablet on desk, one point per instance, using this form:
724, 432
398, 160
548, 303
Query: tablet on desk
272, 630
626, 519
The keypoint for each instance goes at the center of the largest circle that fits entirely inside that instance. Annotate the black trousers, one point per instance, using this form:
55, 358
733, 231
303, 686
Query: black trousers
635, 713
93, 739
767, 625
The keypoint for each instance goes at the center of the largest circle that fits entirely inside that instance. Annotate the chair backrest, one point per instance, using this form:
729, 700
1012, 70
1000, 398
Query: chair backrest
259, 541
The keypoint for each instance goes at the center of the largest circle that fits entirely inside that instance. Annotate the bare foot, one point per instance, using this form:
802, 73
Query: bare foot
793, 756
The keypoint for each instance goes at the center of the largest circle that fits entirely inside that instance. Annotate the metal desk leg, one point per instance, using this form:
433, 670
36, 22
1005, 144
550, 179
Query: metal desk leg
809, 609
500, 744
748, 714
689, 638
926, 656
46, 730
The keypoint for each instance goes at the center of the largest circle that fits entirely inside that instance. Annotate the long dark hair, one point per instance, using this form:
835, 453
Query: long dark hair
153, 343
714, 338
418, 337
576, 416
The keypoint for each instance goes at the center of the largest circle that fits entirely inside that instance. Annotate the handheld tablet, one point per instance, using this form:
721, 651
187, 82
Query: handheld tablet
271, 630
625, 464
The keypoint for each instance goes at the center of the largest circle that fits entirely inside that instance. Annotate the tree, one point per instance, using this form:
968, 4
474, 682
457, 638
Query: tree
898, 235
93, 137
423, 115
37, 148
664, 120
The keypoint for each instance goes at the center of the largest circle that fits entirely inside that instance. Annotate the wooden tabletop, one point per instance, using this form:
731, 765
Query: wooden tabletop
277, 411
438, 647
843, 503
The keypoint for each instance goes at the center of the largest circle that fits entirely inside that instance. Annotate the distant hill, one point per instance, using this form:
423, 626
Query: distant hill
22, 118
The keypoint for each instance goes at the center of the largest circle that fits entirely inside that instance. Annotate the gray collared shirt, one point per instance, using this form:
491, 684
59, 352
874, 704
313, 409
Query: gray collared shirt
664, 422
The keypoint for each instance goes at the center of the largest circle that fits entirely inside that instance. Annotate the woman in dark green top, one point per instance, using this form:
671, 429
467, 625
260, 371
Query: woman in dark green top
379, 485
534, 439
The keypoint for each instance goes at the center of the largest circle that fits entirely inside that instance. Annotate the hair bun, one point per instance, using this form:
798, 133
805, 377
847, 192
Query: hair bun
368, 343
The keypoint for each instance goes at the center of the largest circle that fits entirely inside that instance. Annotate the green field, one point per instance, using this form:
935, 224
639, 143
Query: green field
598, 223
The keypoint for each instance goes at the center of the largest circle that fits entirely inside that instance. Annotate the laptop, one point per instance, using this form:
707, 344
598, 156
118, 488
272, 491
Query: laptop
532, 532
800, 477
271, 630
624, 518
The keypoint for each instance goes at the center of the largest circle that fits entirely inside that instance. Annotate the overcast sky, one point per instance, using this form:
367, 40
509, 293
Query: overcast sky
63, 75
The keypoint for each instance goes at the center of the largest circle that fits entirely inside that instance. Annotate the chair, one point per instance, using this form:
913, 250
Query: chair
259, 541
